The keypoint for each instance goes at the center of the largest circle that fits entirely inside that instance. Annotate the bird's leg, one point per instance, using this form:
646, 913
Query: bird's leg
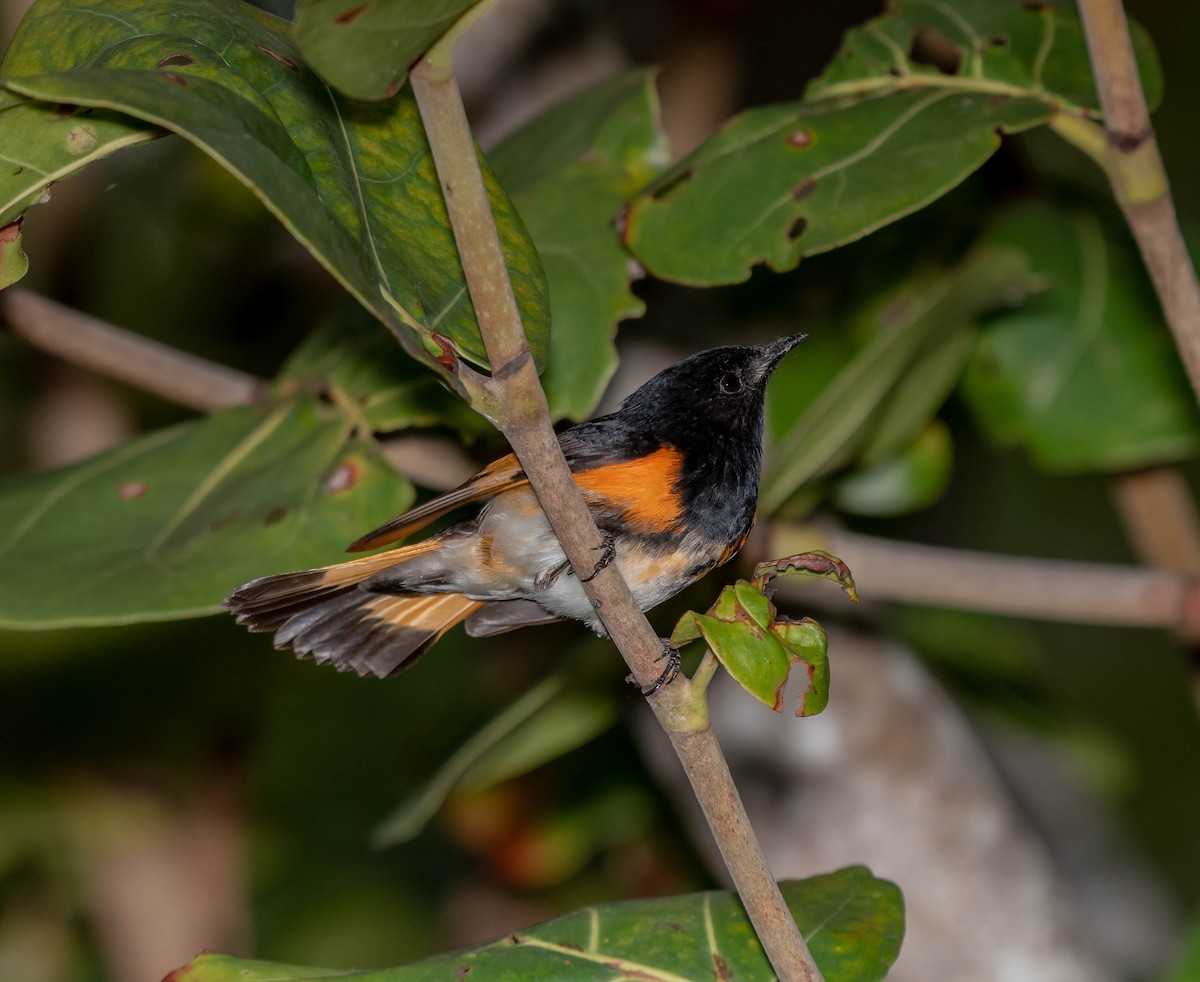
608, 546
546, 578
669, 673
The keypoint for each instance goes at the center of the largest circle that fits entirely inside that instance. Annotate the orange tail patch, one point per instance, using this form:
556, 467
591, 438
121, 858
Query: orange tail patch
373, 633
266, 603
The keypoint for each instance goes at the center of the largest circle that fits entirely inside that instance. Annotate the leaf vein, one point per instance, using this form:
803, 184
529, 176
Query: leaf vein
216, 475
642, 971
845, 902
1039, 62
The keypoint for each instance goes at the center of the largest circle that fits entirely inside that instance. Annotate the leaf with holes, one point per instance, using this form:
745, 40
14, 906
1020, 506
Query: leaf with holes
853, 923
1084, 376
913, 103
41, 145
569, 172
364, 47
166, 525
1006, 47
758, 648
355, 183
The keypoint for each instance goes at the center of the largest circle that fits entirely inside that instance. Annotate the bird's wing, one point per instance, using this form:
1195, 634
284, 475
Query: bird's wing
587, 447
502, 475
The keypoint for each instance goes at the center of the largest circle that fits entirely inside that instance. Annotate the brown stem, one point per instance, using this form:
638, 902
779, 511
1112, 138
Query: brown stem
518, 406
1159, 514
138, 361
1139, 180
1021, 586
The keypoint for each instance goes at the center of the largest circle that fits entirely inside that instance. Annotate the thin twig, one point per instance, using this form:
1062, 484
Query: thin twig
518, 406
1020, 586
187, 380
1139, 180
141, 362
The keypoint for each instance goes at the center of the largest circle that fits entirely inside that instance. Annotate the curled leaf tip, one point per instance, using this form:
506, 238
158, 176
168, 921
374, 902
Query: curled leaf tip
817, 562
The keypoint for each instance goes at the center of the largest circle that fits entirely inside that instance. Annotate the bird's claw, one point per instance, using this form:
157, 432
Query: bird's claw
668, 673
608, 546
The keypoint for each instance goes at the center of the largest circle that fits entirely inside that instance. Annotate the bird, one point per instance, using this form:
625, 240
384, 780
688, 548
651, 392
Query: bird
671, 479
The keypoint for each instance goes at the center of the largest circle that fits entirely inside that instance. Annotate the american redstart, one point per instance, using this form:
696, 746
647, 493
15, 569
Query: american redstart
671, 479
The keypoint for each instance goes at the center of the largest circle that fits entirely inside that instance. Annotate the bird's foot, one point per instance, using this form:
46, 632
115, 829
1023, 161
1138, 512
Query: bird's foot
608, 547
668, 673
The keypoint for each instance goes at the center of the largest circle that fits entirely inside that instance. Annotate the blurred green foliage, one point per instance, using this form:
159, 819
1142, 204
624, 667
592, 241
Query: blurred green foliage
162, 240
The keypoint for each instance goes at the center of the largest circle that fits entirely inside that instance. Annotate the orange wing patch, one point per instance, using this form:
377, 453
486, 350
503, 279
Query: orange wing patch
645, 488
502, 475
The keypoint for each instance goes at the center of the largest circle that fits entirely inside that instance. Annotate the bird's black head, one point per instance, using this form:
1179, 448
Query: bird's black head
709, 397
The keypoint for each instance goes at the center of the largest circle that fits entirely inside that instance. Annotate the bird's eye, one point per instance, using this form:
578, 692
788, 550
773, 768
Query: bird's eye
730, 383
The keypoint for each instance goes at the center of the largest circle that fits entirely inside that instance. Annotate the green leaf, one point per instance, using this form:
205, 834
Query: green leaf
783, 182
912, 479
13, 262
569, 173
546, 722
364, 47
917, 397
354, 183
1007, 47
909, 324
1084, 376
41, 145
166, 525
914, 103
376, 381
852, 921
564, 724
758, 648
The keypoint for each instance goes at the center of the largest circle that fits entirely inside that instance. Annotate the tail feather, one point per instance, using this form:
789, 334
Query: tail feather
333, 617
260, 603
372, 633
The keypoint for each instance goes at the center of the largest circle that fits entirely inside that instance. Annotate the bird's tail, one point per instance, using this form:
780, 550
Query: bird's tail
326, 615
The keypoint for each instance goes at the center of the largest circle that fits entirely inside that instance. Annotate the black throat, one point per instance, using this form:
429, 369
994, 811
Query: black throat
719, 483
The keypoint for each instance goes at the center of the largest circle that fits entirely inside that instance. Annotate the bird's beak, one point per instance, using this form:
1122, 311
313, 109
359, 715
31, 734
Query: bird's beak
772, 353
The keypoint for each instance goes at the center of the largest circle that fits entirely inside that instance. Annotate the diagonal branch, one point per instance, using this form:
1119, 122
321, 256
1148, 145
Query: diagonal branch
1139, 180
148, 365
517, 404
